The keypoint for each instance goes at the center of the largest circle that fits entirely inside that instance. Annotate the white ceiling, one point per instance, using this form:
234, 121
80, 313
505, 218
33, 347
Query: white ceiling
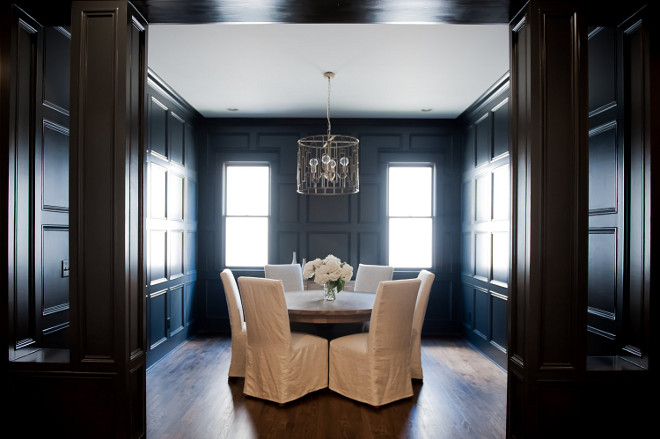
382, 70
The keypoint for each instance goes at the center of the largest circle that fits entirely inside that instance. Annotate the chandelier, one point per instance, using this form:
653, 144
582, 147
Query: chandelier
328, 163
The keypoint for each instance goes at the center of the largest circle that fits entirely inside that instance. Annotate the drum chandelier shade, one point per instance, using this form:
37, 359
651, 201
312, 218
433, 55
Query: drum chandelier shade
328, 163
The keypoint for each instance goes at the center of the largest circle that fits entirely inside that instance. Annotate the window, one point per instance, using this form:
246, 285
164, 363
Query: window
247, 190
410, 215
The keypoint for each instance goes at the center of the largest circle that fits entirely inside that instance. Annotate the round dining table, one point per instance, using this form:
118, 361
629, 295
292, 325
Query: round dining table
308, 306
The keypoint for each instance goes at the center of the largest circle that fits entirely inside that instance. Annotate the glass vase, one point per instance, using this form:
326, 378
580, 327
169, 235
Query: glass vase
329, 293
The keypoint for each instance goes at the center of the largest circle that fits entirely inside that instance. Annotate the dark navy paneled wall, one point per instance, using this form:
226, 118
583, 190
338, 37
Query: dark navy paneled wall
352, 227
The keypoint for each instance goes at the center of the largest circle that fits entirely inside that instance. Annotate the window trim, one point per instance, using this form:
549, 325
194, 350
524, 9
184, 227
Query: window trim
224, 215
431, 216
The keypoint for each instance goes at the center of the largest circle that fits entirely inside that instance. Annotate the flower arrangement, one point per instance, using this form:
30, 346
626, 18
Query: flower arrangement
331, 271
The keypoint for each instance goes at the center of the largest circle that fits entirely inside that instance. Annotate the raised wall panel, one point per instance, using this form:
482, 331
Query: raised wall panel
602, 67
176, 309
467, 201
287, 243
55, 250
190, 199
287, 144
370, 145
157, 318
175, 201
501, 192
603, 163
499, 307
369, 211
56, 68
369, 248
482, 318
157, 191
176, 138
602, 275
229, 141
175, 253
215, 300
468, 306
469, 151
190, 252
501, 258
189, 303
334, 209
482, 256
501, 128
483, 135
157, 256
287, 207
321, 244
483, 197
430, 142
55, 166
157, 127
467, 252
190, 150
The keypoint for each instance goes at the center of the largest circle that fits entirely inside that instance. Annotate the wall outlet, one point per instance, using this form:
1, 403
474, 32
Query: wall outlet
65, 268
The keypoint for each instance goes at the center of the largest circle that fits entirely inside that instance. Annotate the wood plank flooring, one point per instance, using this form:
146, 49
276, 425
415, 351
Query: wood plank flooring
463, 395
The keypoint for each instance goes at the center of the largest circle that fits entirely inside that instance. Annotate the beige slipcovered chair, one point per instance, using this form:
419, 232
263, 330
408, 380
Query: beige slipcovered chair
374, 367
426, 277
367, 277
289, 274
237, 324
280, 365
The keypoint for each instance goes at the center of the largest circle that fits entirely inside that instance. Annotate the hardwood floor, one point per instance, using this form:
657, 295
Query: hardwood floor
463, 395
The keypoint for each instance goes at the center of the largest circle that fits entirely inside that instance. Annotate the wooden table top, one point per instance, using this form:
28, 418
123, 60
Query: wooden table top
349, 307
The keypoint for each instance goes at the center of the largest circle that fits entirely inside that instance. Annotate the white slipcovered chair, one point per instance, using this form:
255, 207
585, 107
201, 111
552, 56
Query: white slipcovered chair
367, 277
426, 277
280, 365
289, 274
237, 324
374, 367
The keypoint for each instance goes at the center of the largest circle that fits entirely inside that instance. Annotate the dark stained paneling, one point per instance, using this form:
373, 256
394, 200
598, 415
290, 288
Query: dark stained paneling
175, 253
287, 243
157, 256
501, 129
603, 272
606, 243
602, 68
157, 127
172, 201
56, 68
55, 250
175, 197
485, 204
55, 166
483, 128
176, 139
176, 309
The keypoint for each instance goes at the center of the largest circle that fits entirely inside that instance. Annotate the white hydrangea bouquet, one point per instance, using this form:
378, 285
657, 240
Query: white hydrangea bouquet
330, 272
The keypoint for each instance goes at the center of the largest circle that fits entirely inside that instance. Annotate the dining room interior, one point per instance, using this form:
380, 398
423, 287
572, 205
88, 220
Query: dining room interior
492, 161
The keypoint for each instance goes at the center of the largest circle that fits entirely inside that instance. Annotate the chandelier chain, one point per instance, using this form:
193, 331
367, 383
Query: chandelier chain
328, 108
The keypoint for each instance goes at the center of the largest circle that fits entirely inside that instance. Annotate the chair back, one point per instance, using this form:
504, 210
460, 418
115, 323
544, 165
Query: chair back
368, 277
266, 314
426, 277
392, 316
234, 304
289, 274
